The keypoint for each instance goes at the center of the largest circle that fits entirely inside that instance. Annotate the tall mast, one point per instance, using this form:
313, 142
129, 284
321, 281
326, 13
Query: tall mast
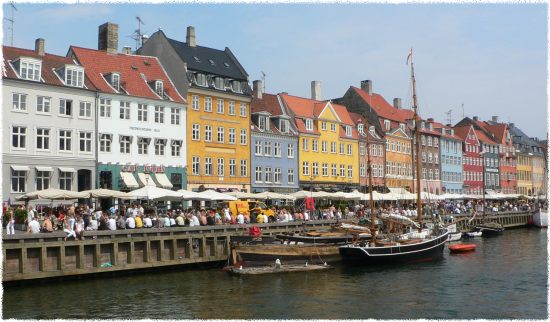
369, 172
417, 139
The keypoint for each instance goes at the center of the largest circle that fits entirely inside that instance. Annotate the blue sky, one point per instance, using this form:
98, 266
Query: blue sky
490, 57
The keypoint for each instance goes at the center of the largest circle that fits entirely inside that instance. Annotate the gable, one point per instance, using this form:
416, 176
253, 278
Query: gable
328, 113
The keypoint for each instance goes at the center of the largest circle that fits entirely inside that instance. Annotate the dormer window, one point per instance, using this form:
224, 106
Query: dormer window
283, 126
360, 128
348, 130
115, 81
371, 129
402, 126
387, 124
309, 125
74, 76
159, 88
30, 69
219, 83
422, 125
236, 86
262, 120
201, 79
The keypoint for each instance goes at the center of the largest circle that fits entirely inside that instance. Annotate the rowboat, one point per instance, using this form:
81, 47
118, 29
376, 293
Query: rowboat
312, 253
462, 248
277, 268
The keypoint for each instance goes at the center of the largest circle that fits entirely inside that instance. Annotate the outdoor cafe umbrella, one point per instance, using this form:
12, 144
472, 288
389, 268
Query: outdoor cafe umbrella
53, 194
242, 195
190, 195
274, 195
107, 193
155, 193
215, 196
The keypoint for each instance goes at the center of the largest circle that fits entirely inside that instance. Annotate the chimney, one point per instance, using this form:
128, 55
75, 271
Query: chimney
431, 120
144, 39
476, 118
510, 124
108, 38
127, 50
366, 86
39, 46
430, 124
494, 119
397, 103
316, 90
258, 89
190, 39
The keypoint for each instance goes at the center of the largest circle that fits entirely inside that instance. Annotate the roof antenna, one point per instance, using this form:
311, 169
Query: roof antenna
11, 21
263, 80
138, 35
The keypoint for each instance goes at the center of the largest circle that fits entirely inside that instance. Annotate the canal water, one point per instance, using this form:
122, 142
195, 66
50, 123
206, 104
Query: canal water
505, 278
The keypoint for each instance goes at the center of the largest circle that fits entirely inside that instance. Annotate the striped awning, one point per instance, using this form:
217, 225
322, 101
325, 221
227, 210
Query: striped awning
163, 181
129, 180
146, 179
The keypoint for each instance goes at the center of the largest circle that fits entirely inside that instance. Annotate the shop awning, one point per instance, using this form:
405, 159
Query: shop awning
62, 169
163, 181
20, 168
129, 180
46, 169
146, 179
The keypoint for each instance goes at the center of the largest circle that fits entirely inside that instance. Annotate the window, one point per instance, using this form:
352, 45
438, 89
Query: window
236, 86
105, 107
124, 110
342, 148
221, 134
305, 168
143, 146
334, 170
350, 149
304, 144
380, 148
159, 114
283, 126
315, 168
43, 104
324, 126
262, 122
429, 141
333, 127
42, 139
232, 136
195, 165
42, 180
309, 125
232, 167
65, 180
19, 137
221, 167
218, 81
176, 148
267, 148
430, 157
268, 174
175, 116
160, 144
207, 132
231, 108
277, 175
208, 166
220, 106
258, 173
243, 110
277, 149
142, 112
243, 137
362, 149
208, 104
431, 172
290, 176
159, 88
387, 125
324, 148
195, 102
19, 102
105, 142
18, 180
332, 147
125, 144
423, 156
65, 137
201, 79
85, 142
362, 171
290, 151
258, 148
30, 70
342, 170
324, 167
244, 168
350, 171
348, 130
360, 128
436, 142
423, 173
315, 145
74, 77
436, 159
195, 132
115, 81
436, 174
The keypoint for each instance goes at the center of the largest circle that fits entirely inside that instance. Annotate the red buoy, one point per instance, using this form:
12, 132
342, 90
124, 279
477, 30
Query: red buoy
462, 248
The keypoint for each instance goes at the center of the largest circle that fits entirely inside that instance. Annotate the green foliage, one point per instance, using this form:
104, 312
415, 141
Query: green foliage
20, 216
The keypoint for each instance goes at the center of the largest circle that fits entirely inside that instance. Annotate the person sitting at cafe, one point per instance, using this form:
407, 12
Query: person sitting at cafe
34, 226
47, 226
139, 222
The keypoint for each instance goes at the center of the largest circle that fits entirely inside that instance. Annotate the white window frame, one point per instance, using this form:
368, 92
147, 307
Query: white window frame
44, 104
175, 116
159, 114
43, 138
85, 110
195, 132
232, 167
220, 105
43, 180
208, 166
208, 133
160, 147
195, 165
208, 104
232, 136
220, 134
231, 108
30, 69
244, 168
74, 76
105, 108
290, 176
243, 110
143, 112
159, 88
290, 151
124, 110
243, 137
18, 179
277, 175
221, 167
143, 145
125, 142
309, 125
19, 102
277, 149
67, 145
195, 103
175, 146
86, 138
105, 142
65, 180
21, 137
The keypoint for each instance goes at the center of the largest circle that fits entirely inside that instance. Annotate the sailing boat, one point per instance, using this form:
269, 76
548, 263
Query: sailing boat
415, 246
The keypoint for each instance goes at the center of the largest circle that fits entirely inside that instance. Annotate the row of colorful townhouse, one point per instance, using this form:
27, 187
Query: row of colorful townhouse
178, 115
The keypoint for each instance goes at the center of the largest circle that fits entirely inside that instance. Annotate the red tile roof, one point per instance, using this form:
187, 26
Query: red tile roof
135, 72
49, 64
301, 126
356, 117
268, 103
462, 131
383, 108
483, 137
499, 130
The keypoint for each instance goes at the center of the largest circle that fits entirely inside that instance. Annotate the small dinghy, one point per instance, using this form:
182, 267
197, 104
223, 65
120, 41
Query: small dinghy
462, 248
277, 268
472, 234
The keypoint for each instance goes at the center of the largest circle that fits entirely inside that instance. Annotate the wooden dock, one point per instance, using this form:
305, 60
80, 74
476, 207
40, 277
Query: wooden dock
508, 220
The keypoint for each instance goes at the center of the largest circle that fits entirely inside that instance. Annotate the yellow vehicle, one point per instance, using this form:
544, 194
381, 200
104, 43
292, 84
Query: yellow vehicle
250, 209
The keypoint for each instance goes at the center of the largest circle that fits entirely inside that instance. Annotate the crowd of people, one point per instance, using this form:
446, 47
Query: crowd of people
76, 220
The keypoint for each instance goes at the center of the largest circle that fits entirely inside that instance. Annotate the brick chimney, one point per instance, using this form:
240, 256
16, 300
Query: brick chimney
258, 89
316, 90
510, 125
39, 46
108, 38
366, 85
127, 50
494, 119
190, 39
397, 103
476, 118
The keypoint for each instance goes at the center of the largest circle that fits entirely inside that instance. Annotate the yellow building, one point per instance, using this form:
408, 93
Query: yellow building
538, 164
524, 174
328, 149
399, 171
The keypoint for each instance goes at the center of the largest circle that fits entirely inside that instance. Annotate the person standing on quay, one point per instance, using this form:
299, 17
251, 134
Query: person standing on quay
11, 223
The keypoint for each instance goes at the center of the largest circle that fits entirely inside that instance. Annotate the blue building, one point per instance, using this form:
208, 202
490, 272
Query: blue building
450, 159
274, 145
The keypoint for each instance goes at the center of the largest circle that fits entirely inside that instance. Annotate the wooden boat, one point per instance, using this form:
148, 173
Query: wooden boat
490, 229
462, 248
472, 234
312, 253
454, 234
421, 246
540, 218
321, 237
272, 269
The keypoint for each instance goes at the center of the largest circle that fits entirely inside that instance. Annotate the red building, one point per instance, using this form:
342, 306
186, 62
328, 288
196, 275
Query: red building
507, 151
473, 168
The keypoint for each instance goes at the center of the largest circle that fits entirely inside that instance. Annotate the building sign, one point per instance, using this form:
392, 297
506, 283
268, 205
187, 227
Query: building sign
145, 169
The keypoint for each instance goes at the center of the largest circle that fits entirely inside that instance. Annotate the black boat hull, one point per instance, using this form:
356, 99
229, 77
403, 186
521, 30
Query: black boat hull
426, 251
490, 231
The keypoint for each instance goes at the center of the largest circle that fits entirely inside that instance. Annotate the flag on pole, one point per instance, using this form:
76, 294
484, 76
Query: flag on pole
409, 56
